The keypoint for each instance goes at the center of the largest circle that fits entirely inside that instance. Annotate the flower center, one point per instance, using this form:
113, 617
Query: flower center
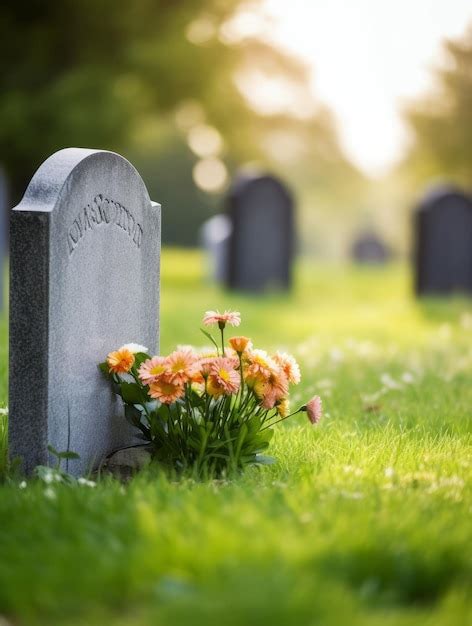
223, 374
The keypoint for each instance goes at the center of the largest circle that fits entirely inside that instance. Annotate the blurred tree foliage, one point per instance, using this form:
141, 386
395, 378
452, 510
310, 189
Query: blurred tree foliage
442, 121
115, 74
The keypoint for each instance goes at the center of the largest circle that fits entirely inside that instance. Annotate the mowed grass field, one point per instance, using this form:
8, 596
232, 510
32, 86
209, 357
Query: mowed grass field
364, 520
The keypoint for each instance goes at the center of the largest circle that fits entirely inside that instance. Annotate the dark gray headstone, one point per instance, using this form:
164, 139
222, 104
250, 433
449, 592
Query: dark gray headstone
84, 280
369, 249
3, 230
443, 242
215, 235
261, 246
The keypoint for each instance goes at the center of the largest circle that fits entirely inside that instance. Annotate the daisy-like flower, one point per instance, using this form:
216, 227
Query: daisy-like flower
120, 361
275, 389
240, 344
182, 365
152, 369
205, 365
233, 318
259, 364
314, 409
165, 390
223, 375
134, 348
289, 366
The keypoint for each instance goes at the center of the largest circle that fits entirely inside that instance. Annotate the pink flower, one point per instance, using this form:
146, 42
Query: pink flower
152, 369
233, 318
182, 365
314, 409
289, 366
223, 377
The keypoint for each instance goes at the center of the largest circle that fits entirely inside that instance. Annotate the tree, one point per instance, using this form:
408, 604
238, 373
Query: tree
441, 122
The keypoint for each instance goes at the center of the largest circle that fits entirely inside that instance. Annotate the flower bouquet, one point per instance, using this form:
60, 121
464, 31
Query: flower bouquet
210, 412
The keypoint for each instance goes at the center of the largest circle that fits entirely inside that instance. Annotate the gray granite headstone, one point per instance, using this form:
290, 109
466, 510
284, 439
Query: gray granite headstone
84, 280
215, 235
3, 230
261, 246
443, 242
369, 249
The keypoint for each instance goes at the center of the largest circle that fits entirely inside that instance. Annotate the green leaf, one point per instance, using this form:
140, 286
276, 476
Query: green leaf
139, 358
53, 450
131, 393
210, 338
68, 455
103, 367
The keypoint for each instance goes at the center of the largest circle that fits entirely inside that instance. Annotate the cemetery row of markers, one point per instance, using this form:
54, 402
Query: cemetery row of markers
84, 278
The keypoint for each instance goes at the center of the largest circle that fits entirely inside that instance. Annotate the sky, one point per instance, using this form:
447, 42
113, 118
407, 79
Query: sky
368, 58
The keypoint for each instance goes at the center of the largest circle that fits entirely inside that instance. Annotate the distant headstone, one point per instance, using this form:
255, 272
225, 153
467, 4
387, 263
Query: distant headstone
3, 230
215, 234
369, 249
84, 280
443, 242
261, 246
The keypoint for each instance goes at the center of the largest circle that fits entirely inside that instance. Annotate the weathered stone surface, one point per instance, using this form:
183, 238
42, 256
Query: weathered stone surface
84, 279
261, 246
124, 463
443, 242
3, 230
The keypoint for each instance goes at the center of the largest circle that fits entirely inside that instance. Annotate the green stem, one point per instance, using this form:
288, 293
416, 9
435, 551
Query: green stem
280, 420
222, 330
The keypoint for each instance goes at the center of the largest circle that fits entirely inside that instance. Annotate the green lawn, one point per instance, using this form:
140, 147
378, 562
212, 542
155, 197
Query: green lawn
365, 519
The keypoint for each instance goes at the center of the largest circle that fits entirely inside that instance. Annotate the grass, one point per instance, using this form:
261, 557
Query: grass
364, 520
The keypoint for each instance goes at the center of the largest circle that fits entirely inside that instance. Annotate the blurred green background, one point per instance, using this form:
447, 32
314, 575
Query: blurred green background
168, 85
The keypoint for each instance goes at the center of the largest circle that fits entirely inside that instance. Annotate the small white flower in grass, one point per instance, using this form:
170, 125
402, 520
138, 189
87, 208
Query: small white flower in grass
48, 477
134, 348
22, 485
4, 411
86, 483
389, 472
389, 382
50, 494
408, 378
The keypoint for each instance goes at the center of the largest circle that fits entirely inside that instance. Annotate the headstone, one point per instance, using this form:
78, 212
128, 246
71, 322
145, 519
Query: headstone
84, 280
369, 249
261, 247
3, 230
443, 242
215, 234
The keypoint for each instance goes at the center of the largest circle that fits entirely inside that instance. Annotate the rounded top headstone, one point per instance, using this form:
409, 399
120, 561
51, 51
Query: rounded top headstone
49, 181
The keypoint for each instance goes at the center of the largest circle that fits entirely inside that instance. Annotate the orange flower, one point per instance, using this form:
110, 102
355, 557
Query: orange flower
259, 364
233, 318
121, 361
182, 365
152, 369
223, 376
166, 391
289, 366
240, 344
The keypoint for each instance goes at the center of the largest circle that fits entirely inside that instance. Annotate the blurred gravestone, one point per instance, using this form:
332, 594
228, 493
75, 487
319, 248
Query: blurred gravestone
369, 249
443, 242
261, 245
84, 272
3, 230
214, 237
